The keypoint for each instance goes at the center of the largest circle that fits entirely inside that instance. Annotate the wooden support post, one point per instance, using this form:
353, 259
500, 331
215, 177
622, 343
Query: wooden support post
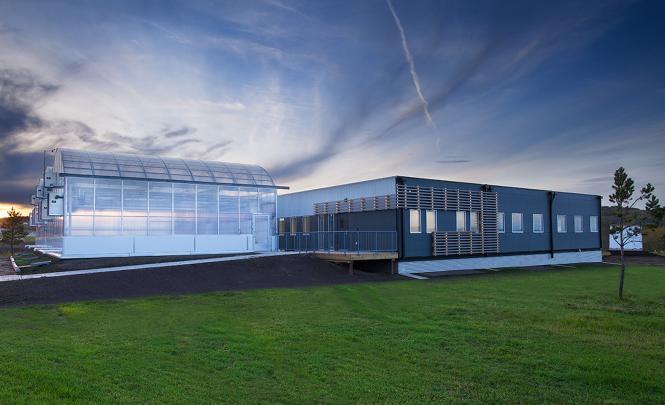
392, 266
351, 267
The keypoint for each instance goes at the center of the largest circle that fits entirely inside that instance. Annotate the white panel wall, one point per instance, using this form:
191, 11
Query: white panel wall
82, 246
479, 263
225, 243
113, 246
302, 203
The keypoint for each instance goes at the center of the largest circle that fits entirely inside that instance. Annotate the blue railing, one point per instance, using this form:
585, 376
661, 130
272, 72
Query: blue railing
339, 241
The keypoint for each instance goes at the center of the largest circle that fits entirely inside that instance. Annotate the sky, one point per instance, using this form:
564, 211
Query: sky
550, 95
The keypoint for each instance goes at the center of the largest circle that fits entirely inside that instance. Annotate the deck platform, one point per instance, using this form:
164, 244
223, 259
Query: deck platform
343, 256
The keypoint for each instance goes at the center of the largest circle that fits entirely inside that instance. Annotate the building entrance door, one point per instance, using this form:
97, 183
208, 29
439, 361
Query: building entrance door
261, 227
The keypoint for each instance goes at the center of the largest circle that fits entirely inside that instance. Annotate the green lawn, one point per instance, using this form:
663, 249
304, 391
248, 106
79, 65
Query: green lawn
517, 336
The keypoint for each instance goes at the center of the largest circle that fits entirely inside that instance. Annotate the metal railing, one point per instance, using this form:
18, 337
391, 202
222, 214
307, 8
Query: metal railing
339, 241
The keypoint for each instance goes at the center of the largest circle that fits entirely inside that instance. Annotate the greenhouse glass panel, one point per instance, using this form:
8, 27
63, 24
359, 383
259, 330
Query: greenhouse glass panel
108, 197
245, 223
248, 200
161, 208
206, 201
135, 198
184, 209
141, 166
107, 225
267, 201
80, 194
79, 225
228, 210
135, 226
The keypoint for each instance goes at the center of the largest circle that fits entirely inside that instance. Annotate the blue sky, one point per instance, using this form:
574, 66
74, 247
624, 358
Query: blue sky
548, 95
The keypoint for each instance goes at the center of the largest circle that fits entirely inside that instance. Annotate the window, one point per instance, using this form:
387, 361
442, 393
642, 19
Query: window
516, 222
578, 224
414, 221
561, 223
538, 224
501, 222
430, 221
593, 223
473, 222
305, 224
461, 221
282, 225
294, 225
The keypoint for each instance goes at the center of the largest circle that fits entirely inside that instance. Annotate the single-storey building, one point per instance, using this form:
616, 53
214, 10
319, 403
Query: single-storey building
437, 225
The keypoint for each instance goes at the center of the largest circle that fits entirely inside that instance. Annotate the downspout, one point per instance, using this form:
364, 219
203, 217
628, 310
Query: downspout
600, 221
550, 200
399, 218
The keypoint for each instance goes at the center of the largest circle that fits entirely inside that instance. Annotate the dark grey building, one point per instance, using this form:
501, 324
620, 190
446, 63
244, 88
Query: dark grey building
437, 225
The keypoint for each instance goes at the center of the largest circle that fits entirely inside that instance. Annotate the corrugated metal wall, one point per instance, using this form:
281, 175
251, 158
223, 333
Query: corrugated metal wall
302, 203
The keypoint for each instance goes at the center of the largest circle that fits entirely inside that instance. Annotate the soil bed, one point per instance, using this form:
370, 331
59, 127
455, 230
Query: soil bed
266, 272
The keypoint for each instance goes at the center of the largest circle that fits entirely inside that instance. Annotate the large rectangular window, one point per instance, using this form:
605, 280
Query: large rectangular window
501, 222
305, 224
430, 221
516, 222
473, 222
561, 224
414, 221
538, 223
578, 224
593, 223
460, 221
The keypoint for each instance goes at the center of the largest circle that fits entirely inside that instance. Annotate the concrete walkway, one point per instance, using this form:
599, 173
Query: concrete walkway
6, 267
14, 277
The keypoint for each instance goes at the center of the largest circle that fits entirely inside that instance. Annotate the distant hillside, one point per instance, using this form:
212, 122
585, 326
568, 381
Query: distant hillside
652, 241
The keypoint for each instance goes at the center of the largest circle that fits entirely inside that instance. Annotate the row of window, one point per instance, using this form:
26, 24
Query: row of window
517, 222
517, 225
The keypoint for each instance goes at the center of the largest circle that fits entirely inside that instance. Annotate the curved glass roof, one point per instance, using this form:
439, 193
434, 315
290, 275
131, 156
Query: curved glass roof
82, 163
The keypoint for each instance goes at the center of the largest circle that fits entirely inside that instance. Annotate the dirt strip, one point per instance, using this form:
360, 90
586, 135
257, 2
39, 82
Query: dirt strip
268, 272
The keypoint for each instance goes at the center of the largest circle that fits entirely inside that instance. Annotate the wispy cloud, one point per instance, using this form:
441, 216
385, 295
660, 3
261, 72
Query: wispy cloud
412, 64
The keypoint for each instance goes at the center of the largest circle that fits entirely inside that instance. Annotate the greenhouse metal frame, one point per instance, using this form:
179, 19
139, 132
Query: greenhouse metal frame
128, 205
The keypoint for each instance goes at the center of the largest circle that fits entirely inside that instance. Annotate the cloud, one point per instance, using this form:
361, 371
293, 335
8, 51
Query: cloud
412, 64
19, 91
453, 161
173, 133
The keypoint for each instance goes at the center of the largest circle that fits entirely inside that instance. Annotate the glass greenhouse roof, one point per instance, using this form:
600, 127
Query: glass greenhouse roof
82, 163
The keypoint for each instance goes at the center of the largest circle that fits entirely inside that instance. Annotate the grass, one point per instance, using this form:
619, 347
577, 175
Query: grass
516, 336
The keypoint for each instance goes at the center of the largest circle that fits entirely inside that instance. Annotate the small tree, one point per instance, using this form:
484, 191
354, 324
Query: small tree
631, 225
15, 230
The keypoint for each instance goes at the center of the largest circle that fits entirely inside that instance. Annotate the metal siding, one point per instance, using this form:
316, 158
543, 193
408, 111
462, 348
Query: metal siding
302, 203
513, 199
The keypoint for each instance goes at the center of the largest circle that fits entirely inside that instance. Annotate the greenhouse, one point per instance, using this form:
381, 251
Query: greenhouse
93, 204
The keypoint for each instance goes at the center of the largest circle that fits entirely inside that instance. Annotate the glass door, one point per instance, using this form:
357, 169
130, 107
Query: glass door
261, 227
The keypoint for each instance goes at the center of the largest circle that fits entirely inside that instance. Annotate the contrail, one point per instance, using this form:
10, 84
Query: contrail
412, 64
